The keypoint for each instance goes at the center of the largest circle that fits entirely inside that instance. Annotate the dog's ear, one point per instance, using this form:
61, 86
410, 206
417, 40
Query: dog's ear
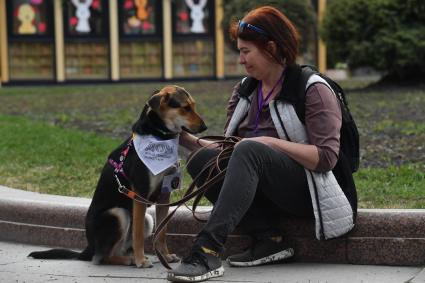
155, 101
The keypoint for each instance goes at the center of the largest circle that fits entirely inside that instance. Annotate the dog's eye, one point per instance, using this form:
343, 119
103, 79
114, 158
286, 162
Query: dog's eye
187, 108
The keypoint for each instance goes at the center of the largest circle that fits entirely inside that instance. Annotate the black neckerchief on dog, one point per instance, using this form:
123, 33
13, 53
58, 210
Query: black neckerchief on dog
150, 123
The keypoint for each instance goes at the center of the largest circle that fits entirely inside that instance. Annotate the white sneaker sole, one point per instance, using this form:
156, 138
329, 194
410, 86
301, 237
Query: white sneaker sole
211, 274
271, 258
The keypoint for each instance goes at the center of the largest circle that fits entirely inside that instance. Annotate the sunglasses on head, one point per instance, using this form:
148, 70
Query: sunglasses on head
243, 26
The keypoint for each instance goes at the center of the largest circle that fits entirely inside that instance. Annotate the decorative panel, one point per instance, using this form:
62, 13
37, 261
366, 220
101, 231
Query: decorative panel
193, 58
86, 60
192, 17
31, 60
138, 17
140, 60
30, 17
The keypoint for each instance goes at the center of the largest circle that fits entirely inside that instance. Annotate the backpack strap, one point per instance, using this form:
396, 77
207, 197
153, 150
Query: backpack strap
306, 72
248, 85
307, 81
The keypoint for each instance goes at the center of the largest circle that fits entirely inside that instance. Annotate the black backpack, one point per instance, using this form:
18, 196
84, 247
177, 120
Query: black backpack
295, 94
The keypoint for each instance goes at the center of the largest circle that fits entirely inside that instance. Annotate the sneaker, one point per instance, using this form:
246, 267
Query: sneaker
200, 265
262, 252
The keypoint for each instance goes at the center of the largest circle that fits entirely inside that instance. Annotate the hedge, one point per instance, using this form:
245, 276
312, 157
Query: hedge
388, 35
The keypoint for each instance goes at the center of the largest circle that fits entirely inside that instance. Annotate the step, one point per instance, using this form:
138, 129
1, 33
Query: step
381, 236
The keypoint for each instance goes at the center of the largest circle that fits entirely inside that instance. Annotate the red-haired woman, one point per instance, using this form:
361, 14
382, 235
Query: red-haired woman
281, 166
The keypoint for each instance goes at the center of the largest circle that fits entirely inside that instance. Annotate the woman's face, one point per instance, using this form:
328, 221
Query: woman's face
257, 62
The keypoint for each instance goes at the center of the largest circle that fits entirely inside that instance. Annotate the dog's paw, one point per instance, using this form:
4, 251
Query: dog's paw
145, 263
172, 258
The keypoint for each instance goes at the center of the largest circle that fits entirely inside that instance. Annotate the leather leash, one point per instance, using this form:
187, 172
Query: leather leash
226, 144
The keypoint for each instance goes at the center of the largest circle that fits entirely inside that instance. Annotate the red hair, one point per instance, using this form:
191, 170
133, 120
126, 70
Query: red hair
279, 29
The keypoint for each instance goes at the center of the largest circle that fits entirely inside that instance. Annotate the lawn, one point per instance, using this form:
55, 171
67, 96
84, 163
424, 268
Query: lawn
56, 139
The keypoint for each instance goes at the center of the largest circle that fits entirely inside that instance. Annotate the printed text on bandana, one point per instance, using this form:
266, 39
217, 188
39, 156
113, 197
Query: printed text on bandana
156, 154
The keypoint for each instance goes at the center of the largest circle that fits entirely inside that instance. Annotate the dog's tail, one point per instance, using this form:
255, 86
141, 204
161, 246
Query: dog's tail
85, 255
88, 252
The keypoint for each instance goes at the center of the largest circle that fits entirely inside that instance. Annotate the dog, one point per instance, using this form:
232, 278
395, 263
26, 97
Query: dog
116, 225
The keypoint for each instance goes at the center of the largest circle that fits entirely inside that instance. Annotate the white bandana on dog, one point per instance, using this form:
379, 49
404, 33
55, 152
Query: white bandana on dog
155, 153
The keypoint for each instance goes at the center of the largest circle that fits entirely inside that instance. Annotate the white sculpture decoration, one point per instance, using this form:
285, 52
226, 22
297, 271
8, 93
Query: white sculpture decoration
83, 15
197, 15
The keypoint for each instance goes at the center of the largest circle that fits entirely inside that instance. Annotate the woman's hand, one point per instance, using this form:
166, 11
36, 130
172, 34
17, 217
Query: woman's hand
192, 142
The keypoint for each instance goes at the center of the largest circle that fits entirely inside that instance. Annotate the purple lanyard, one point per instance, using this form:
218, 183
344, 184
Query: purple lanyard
261, 101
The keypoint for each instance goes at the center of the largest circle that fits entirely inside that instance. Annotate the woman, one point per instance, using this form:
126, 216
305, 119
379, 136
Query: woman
280, 167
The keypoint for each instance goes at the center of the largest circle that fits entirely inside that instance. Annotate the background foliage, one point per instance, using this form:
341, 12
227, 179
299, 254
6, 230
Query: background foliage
388, 35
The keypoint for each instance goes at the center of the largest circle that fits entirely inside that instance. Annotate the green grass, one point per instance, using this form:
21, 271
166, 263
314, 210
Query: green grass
47, 159
56, 139
393, 187
107, 109
405, 127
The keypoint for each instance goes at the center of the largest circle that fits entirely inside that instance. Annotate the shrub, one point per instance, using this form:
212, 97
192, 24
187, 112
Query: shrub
300, 12
388, 35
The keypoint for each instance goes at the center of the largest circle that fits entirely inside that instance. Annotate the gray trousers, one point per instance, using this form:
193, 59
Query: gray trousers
261, 185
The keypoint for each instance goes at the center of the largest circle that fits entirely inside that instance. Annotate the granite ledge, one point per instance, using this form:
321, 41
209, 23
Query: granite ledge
381, 236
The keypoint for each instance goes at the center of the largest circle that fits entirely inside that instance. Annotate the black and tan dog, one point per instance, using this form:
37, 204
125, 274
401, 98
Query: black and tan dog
116, 225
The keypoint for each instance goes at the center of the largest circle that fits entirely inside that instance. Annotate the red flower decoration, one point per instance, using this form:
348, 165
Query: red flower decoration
184, 16
36, 2
128, 5
73, 21
95, 5
42, 27
146, 25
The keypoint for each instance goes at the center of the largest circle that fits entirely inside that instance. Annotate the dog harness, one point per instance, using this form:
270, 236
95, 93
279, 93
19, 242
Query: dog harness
124, 153
157, 155
118, 169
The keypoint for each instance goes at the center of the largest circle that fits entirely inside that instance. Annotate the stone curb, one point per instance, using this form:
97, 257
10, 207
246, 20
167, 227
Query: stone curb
381, 236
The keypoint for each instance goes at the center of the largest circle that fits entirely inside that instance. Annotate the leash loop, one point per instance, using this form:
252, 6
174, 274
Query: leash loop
215, 174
